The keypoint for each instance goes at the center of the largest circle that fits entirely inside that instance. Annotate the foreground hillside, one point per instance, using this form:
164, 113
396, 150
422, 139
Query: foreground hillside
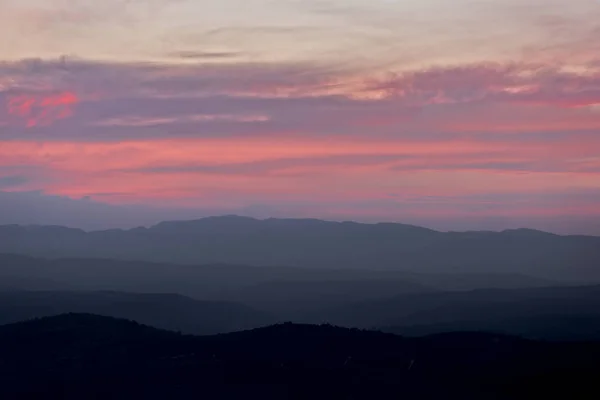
77, 356
315, 243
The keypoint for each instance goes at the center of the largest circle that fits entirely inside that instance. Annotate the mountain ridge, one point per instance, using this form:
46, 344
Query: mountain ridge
239, 218
161, 310
320, 244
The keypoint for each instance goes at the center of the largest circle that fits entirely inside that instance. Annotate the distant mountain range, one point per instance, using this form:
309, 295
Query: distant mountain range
275, 288
76, 356
483, 315
222, 298
221, 280
321, 244
569, 314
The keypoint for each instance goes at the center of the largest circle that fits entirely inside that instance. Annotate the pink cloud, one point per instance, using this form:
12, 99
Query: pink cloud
40, 109
520, 83
304, 168
239, 135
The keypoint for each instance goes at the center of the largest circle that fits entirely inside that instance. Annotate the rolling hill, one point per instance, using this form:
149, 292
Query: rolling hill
166, 311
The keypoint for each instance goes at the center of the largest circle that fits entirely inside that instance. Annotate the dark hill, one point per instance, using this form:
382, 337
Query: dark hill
84, 356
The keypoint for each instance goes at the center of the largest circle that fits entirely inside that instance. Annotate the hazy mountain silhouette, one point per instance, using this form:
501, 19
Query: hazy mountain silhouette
85, 356
315, 243
234, 282
166, 311
555, 327
237, 297
559, 313
292, 300
301, 300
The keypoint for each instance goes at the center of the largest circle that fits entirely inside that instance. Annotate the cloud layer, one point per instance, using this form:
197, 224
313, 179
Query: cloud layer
437, 138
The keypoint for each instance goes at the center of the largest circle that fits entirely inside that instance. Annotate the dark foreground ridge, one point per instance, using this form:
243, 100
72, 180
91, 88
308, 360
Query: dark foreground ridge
74, 356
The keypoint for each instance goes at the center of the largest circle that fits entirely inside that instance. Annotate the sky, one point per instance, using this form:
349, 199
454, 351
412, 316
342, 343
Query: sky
456, 115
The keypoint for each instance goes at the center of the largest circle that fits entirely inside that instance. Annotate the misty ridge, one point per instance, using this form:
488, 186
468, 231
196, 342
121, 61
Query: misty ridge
232, 306
320, 244
223, 274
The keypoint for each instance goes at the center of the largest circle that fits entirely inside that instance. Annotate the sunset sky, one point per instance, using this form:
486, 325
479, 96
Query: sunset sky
453, 114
